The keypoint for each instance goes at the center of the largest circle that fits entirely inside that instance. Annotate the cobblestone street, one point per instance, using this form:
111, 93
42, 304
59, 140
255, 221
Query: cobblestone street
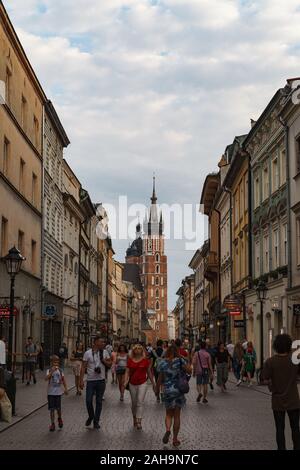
240, 419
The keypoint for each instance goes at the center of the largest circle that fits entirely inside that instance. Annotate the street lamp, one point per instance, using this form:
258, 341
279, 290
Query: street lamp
261, 292
85, 307
13, 261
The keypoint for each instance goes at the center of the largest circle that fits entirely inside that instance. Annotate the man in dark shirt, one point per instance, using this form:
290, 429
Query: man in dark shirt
156, 356
281, 375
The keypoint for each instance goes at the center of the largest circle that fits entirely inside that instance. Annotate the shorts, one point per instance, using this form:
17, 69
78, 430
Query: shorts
120, 371
77, 368
202, 379
54, 402
30, 367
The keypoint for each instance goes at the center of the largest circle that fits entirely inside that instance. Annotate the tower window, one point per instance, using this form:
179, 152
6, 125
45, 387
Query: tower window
157, 293
157, 258
157, 305
157, 281
157, 269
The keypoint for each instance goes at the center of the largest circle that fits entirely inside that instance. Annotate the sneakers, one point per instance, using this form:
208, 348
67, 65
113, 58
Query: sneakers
60, 423
34, 380
96, 426
211, 386
52, 427
238, 383
88, 422
204, 400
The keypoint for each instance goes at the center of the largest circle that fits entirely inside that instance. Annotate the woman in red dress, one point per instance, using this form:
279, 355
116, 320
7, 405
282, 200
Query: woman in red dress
137, 371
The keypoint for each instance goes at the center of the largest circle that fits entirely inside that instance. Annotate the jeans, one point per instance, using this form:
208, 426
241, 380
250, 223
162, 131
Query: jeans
94, 387
236, 369
222, 373
138, 393
279, 417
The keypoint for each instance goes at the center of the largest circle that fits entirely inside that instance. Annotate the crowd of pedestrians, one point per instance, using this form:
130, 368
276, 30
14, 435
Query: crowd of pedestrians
168, 367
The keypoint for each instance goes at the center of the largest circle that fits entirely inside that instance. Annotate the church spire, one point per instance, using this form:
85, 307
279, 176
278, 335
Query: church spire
153, 198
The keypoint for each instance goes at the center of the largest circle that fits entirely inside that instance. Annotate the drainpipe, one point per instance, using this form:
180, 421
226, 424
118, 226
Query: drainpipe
42, 293
228, 191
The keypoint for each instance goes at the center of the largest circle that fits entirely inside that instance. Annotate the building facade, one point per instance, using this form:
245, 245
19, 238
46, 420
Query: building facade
21, 164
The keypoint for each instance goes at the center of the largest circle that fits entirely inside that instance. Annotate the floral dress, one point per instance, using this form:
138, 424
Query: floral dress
170, 370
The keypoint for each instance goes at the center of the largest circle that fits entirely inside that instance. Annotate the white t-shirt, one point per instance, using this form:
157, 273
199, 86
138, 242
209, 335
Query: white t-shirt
55, 385
230, 348
93, 360
2, 353
245, 344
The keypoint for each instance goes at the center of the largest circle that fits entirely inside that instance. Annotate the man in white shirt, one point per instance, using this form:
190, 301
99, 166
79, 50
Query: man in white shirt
230, 348
95, 360
245, 344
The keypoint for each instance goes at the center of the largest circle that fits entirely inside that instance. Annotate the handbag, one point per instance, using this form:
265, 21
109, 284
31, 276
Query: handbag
5, 409
205, 371
183, 381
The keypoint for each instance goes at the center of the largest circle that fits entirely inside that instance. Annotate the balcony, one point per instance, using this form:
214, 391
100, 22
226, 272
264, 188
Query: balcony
211, 266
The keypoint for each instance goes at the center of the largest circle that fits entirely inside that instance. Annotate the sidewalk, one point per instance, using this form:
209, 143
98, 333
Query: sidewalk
30, 398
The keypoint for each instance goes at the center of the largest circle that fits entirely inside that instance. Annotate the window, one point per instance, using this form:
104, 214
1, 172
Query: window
23, 113
4, 229
266, 253
245, 194
8, 86
21, 242
275, 249
257, 258
241, 212
157, 257
236, 209
22, 176
157, 269
298, 242
157, 281
275, 174
157, 293
283, 167
157, 305
284, 245
297, 143
152, 280
33, 256
265, 188
256, 192
36, 131
66, 261
6, 156
34, 189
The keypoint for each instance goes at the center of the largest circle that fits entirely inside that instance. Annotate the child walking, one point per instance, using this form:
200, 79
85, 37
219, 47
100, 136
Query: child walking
56, 387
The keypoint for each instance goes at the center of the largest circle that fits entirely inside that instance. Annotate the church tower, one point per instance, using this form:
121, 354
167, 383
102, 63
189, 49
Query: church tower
154, 271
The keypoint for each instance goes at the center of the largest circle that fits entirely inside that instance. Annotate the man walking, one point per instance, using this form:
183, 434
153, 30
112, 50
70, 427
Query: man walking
30, 360
281, 375
95, 360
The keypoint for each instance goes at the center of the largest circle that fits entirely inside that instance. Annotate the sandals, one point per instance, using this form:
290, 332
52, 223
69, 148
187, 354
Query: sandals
139, 424
166, 437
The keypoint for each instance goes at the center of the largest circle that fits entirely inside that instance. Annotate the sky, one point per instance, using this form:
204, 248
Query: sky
162, 86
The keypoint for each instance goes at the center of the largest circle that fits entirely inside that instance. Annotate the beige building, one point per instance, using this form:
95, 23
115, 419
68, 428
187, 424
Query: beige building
73, 218
21, 123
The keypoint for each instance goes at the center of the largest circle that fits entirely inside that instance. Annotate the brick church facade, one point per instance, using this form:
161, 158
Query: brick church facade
148, 252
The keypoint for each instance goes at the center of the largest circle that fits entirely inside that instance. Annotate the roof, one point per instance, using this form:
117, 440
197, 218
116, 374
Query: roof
209, 190
50, 110
136, 248
238, 156
131, 273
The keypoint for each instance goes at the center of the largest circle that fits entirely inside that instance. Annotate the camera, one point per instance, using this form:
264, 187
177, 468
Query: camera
97, 370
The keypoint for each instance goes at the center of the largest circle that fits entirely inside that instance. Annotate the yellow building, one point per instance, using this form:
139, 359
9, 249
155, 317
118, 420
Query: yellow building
236, 181
21, 124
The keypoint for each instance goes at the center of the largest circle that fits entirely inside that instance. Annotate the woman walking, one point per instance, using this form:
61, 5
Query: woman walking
223, 363
249, 361
120, 365
203, 371
137, 371
170, 370
113, 367
77, 358
237, 360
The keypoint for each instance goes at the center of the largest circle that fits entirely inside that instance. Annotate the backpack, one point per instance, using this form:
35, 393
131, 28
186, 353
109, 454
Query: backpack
158, 359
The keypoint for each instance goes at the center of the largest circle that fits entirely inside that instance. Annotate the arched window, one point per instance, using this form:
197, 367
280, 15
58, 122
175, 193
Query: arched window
157, 269
76, 268
66, 260
157, 293
157, 281
157, 305
157, 257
